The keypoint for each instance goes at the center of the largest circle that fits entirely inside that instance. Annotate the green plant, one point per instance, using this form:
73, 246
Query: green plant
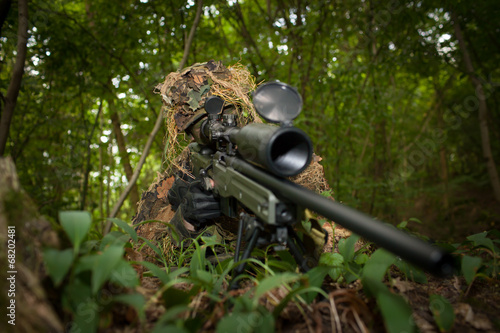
479, 256
92, 275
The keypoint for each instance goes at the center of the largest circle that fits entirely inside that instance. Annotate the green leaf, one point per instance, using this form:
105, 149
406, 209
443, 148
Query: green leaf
246, 322
361, 259
86, 317
157, 271
307, 225
331, 259
480, 239
316, 276
172, 314
75, 293
124, 274
287, 257
153, 247
470, 266
334, 261
137, 301
58, 263
206, 278
175, 297
125, 227
116, 238
377, 265
402, 225
396, 312
275, 281
442, 311
84, 263
198, 260
76, 224
414, 219
104, 266
411, 272
346, 247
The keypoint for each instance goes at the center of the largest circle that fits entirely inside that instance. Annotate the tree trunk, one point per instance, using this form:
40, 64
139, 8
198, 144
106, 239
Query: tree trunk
483, 110
17, 75
87, 162
122, 148
22, 226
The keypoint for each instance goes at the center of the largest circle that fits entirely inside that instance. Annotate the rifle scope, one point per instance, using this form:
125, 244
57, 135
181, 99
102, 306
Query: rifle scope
284, 151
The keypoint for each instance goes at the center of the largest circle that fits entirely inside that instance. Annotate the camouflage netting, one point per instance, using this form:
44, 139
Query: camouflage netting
184, 93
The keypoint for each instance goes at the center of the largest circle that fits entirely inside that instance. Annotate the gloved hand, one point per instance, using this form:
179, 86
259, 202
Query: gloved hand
198, 206
178, 191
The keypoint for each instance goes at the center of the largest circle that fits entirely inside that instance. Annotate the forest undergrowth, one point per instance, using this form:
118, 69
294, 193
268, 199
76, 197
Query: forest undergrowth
109, 284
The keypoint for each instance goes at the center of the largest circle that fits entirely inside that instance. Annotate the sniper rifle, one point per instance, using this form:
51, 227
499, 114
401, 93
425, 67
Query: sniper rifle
247, 167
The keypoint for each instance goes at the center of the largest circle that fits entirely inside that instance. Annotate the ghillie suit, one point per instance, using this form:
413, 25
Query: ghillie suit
184, 94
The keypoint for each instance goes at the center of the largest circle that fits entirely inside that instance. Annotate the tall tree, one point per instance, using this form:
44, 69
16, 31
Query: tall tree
483, 108
17, 75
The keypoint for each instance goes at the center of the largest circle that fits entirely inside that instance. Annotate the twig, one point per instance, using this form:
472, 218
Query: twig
335, 313
137, 170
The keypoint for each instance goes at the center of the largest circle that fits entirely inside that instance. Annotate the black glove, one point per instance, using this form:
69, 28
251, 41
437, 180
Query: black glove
199, 206
178, 191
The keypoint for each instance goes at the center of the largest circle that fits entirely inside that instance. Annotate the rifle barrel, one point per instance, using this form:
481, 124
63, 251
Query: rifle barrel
412, 249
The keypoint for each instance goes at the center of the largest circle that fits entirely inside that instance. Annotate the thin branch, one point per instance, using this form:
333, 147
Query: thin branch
137, 171
191, 34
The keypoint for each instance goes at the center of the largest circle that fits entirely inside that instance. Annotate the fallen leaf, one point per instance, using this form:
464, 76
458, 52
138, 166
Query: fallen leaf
402, 286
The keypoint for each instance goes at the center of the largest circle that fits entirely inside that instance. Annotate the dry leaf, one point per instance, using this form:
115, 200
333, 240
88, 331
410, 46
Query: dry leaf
163, 188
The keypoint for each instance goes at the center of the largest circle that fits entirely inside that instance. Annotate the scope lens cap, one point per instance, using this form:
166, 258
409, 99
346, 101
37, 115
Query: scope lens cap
277, 102
214, 104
